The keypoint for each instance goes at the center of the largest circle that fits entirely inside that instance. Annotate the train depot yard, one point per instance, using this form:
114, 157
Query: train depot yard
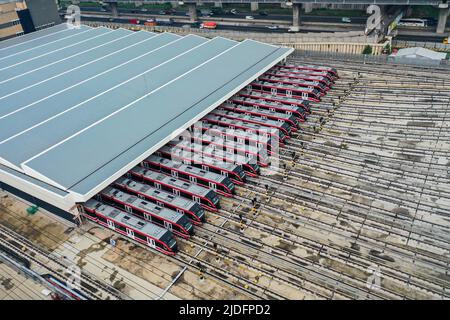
286, 177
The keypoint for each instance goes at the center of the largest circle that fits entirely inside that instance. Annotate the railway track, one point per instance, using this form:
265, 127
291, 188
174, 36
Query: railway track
345, 237
43, 260
332, 252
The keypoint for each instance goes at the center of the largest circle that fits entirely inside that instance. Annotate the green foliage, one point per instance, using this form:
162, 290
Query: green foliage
367, 50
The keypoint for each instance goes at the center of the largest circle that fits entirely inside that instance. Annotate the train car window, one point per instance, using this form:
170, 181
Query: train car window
120, 227
140, 236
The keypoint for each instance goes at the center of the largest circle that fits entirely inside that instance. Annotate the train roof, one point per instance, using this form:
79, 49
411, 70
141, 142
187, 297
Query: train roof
120, 94
231, 144
308, 81
177, 201
122, 217
293, 74
261, 111
244, 117
284, 86
199, 158
269, 96
210, 150
300, 71
309, 66
236, 132
188, 169
144, 205
178, 183
218, 115
269, 103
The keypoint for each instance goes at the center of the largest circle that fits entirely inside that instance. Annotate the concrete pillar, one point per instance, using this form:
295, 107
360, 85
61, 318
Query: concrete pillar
308, 7
442, 21
192, 12
218, 4
114, 10
174, 4
254, 6
296, 8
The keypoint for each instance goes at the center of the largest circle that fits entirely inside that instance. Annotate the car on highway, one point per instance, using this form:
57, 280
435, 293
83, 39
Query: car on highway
272, 27
206, 12
346, 20
144, 10
249, 17
233, 11
445, 41
263, 13
167, 11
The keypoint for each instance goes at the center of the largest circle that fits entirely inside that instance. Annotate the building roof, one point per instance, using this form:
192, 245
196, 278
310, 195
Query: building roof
418, 52
80, 107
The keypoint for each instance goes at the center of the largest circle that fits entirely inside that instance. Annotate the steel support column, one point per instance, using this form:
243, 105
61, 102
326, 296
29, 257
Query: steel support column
296, 8
192, 12
442, 21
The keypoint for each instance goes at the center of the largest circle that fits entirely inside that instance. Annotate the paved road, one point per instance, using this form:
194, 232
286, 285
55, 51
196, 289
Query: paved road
242, 15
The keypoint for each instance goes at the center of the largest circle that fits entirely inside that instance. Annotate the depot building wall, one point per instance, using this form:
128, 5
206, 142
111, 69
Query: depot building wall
66, 216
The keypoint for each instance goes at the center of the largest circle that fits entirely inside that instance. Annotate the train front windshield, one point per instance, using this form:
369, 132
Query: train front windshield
168, 239
211, 195
316, 93
228, 183
185, 223
240, 172
199, 212
286, 127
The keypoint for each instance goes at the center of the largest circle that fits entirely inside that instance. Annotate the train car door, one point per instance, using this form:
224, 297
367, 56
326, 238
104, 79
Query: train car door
157, 185
206, 168
196, 199
147, 217
130, 233
289, 93
168, 225
176, 192
140, 196
111, 225
212, 185
273, 91
174, 174
128, 209
151, 242
193, 179
304, 95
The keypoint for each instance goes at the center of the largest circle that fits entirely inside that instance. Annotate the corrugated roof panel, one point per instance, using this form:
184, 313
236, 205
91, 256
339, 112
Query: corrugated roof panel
42, 35
66, 89
114, 136
20, 70
56, 46
47, 82
35, 42
71, 122
44, 136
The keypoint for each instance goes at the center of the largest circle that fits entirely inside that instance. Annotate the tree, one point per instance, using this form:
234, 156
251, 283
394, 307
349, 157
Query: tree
367, 50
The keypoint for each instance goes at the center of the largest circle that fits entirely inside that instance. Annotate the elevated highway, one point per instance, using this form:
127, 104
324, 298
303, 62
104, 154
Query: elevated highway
297, 6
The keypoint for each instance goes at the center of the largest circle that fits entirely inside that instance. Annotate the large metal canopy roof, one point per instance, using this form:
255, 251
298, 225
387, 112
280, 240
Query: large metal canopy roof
80, 107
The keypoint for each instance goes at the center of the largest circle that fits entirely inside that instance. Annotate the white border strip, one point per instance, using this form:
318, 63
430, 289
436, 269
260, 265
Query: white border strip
58, 61
56, 50
103, 92
35, 39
